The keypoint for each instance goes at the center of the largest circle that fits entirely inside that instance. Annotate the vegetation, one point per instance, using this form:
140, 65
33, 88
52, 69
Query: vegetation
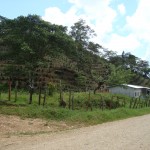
46, 65
29, 44
79, 114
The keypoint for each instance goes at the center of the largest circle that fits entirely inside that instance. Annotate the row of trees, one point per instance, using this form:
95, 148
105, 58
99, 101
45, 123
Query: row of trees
129, 61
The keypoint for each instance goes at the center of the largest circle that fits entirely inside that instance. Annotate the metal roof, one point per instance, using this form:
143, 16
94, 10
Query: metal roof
132, 86
136, 86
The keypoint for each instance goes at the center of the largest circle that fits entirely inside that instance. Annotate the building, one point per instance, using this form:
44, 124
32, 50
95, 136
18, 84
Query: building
130, 90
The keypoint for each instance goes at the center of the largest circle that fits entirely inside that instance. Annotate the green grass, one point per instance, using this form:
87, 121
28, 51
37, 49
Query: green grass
52, 111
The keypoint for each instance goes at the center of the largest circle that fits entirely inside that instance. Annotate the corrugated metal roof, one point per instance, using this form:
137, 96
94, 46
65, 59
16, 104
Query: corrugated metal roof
132, 86
136, 86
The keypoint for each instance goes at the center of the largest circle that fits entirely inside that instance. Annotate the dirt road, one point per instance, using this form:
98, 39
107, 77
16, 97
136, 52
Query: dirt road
129, 134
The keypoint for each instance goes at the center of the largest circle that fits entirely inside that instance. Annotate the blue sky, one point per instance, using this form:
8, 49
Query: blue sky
121, 25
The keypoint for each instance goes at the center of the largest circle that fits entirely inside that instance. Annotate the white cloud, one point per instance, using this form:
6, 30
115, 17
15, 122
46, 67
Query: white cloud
120, 43
147, 54
122, 9
98, 15
55, 15
100, 12
139, 24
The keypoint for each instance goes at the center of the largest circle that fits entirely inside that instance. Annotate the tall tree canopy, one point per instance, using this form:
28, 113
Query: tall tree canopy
30, 39
81, 33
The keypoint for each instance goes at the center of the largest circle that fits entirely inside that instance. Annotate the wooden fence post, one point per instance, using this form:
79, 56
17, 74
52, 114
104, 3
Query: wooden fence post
72, 101
16, 91
135, 102
131, 101
69, 105
9, 90
44, 98
39, 95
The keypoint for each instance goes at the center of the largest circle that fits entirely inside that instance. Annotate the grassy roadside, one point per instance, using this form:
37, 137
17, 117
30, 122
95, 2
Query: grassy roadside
76, 116
52, 112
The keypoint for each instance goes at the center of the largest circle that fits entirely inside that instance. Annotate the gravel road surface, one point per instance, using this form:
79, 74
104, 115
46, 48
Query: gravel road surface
128, 134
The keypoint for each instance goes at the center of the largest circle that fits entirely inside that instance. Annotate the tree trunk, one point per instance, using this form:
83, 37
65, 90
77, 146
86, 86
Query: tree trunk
98, 87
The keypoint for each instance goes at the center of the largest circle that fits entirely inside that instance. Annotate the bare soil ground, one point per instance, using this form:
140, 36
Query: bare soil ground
14, 125
128, 134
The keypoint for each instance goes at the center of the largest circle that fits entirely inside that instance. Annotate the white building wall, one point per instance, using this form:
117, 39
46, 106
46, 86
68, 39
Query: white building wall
132, 92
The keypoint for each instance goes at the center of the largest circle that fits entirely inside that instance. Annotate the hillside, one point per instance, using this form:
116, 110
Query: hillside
67, 73
34, 52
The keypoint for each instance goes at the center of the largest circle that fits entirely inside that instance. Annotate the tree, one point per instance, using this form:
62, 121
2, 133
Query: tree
29, 40
116, 60
129, 60
119, 76
143, 67
2, 18
81, 33
94, 47
108, 54
33, 39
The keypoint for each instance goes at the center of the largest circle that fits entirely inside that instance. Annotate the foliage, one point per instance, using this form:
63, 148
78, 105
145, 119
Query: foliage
33, 43
3, 87
129, 61
29, 39
81, 80
81, 33
27, 42
119, 75
51, 88
52, 112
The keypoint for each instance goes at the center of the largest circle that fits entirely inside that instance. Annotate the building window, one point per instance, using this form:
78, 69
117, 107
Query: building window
135, 94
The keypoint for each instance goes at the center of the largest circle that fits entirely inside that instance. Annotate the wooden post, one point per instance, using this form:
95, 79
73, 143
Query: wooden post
16, 91
69, 99
124, 102
101, 103
72, 101
39, 95
90, 105
9, 90
131, 101
149, 103
135, 101
145, 103
31, 88
60, 91
44, 98
138, 102
89, 101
